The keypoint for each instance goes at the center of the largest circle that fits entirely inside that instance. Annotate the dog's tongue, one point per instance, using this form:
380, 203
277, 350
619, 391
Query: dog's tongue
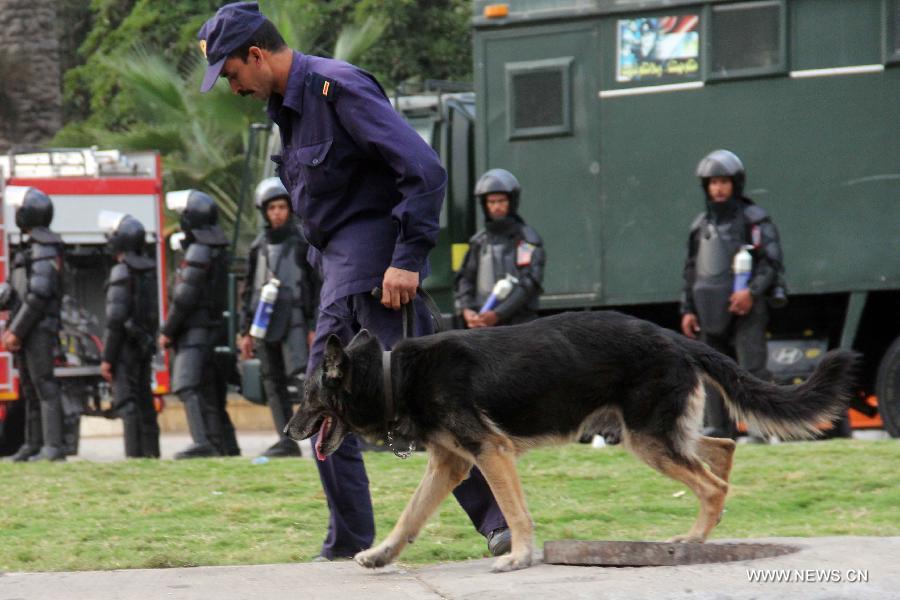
322, 431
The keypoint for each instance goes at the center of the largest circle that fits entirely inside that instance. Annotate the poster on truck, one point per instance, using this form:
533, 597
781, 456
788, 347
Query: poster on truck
651, 48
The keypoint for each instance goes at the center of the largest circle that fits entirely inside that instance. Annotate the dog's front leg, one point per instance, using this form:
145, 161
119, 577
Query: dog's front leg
498, 464
444, 472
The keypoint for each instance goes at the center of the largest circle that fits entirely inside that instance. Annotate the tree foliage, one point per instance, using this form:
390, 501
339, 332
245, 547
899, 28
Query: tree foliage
137, 84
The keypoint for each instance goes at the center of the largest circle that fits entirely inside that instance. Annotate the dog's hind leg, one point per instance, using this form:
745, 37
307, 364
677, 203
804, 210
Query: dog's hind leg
497, 461
709, 489
718, 453
444, 472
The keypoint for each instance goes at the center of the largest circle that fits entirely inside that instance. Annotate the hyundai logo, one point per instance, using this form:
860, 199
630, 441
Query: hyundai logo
787, 355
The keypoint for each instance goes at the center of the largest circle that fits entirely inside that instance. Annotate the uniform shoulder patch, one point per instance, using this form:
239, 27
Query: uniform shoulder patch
755, 213
323, 87
531, 236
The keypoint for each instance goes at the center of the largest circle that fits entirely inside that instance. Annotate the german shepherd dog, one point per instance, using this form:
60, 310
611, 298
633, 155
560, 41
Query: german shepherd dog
483, 397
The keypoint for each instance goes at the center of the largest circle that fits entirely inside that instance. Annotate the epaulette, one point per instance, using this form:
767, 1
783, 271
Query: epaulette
531, 236
139, 262
755, 214
698, 221
479, 235
42, 235
211, 236
323, 87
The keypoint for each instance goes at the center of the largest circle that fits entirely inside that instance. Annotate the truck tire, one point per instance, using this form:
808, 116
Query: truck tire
887, 388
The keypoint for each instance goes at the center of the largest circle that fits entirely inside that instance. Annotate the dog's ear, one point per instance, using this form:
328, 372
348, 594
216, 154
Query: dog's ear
335, 361
360, 338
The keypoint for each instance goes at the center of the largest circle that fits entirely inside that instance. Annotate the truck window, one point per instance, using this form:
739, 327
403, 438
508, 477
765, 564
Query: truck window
747, 39
538, 96
893, 33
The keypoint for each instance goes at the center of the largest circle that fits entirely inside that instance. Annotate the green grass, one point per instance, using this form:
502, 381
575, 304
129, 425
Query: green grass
147, 514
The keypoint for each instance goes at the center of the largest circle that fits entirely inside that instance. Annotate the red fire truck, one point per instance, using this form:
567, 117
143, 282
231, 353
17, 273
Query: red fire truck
81, 182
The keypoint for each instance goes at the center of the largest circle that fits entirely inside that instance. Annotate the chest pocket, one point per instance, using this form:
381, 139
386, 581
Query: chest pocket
317, 168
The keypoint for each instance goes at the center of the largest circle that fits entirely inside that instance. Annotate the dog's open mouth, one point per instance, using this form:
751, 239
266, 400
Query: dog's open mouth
323, 432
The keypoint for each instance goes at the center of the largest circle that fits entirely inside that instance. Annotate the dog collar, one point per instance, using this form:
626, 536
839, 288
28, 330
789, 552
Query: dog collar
390, 411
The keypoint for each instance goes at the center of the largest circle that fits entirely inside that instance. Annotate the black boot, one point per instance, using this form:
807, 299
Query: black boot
49, 453
500, 541
24, 452
198, 451
284, 447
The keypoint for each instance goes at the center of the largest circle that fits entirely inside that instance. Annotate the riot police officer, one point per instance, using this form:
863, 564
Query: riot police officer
507, 249
33, 333
279, 252
733, 321
194, 322
132, 317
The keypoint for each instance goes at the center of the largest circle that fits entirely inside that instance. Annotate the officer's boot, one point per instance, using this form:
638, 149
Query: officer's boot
191, 398
150, 439
132, 433
718, 422
52, 427
281, 414
33, 435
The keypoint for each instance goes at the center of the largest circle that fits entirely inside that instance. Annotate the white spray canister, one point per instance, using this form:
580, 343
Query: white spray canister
267, 297
742, 267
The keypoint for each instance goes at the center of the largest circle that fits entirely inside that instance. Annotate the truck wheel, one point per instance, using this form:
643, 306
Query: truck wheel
887, 388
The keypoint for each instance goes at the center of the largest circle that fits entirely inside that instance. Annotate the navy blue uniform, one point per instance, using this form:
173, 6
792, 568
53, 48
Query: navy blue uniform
369, 191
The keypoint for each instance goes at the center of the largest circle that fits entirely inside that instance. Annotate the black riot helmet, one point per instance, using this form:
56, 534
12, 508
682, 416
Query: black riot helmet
128, 236
35, 210
270, 189
197, 209
722, 163
498, 181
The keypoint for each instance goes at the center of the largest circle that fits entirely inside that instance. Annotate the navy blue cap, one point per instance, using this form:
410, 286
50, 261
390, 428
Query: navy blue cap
229, 29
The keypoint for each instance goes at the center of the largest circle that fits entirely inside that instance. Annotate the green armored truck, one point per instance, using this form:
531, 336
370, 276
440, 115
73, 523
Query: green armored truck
603, 108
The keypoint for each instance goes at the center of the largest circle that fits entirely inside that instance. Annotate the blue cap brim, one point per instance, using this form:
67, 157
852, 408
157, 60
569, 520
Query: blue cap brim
212, 74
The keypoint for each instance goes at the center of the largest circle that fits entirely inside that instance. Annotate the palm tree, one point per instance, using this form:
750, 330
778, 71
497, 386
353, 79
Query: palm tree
204, 140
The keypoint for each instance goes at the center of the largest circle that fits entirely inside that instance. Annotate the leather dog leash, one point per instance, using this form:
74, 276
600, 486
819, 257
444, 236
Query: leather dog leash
390, 409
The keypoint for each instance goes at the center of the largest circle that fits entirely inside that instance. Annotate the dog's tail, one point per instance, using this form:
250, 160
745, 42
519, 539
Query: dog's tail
788, 411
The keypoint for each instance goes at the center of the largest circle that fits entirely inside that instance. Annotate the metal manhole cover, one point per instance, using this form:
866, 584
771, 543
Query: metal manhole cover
659, 554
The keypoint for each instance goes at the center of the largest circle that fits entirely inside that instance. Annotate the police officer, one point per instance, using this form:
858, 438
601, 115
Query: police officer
33, 333
368, 190
279, 252
132, 318
194, 322
506, 248
732, 322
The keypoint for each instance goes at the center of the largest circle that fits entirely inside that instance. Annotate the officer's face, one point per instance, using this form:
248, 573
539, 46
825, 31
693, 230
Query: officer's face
249, 78
720, 188
497, 206
277, 212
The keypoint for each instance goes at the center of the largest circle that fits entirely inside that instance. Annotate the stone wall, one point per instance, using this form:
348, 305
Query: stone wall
30, 79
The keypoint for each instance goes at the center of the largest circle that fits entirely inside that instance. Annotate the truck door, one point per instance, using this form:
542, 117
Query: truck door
538, 117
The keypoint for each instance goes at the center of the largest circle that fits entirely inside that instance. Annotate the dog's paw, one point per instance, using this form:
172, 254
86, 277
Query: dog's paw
686, 539
511, 562
376, 557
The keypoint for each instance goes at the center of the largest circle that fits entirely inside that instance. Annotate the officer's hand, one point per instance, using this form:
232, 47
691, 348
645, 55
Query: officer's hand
246, 346
741, 302
690, 326
310, 338
11, 341
471, 318
489, 318
399, 287
106, 371
164, 341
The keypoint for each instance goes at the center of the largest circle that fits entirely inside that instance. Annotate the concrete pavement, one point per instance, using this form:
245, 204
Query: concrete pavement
824, 568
